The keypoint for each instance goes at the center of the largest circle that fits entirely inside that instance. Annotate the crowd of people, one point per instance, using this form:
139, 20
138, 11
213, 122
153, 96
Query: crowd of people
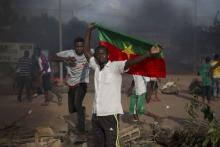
107, 106
34, 74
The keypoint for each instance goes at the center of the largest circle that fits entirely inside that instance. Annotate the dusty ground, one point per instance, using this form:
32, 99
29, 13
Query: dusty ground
11, 110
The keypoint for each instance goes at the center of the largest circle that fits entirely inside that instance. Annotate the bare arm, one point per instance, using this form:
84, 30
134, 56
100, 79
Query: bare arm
71, 61
57, 59
136, 60
61, 59
131, 62
87, 51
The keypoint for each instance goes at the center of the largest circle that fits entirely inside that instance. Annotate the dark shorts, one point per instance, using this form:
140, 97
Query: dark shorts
105, 131
46, 81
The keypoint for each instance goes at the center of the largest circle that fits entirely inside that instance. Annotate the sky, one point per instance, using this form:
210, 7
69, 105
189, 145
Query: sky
118, 12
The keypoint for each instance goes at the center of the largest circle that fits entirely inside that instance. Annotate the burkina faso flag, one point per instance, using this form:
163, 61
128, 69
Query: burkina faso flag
123, 47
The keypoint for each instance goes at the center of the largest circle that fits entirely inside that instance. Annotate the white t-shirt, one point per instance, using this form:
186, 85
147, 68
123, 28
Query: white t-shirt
80, 72
107, 99
140, 84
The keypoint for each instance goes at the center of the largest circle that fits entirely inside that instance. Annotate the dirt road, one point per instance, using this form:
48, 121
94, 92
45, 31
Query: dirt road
11, 110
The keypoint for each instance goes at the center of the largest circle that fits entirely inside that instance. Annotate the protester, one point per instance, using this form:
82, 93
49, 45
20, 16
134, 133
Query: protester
107, 101
35, 75
204, 72
77, 79
23, 73
153, 87
216, 76
138, 95
153, 90
46, 79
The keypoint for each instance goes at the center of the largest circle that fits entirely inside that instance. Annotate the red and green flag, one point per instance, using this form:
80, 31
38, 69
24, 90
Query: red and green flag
123, 47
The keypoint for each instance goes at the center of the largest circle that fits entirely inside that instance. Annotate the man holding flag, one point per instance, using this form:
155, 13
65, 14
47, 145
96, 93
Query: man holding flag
108, 69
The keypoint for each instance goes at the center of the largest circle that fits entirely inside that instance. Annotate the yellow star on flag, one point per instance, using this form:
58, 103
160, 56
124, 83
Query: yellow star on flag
128, 50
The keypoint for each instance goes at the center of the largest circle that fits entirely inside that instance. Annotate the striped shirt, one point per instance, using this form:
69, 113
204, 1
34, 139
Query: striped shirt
76, 74
24, 67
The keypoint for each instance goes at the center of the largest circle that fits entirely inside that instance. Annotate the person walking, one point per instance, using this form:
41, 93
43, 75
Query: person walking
23, 71
205, 73
138, 95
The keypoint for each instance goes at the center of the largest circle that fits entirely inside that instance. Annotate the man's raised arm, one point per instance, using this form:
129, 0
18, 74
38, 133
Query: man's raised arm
87, 51
131, 62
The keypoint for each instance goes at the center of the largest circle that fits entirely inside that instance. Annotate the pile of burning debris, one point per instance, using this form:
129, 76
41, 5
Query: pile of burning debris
14, 136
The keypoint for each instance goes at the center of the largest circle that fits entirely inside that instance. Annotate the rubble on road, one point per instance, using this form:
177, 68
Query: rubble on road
44, 137
170, 87
136, 135
129, 135
195, 86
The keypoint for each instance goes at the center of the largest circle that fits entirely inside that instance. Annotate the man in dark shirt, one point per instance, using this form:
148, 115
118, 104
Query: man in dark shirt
24, 76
